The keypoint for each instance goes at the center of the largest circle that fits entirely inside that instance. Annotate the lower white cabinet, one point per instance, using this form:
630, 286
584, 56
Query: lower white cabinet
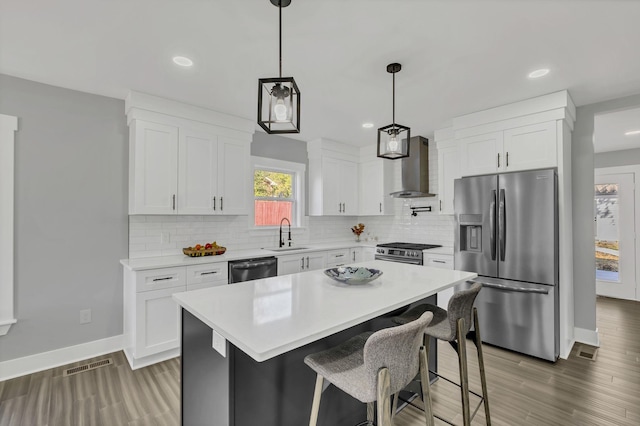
368, 253
356, 254
151, 316
338, 257
443, 261
302, 262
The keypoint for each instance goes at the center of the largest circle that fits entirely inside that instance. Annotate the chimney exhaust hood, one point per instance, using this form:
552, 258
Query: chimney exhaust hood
415, 170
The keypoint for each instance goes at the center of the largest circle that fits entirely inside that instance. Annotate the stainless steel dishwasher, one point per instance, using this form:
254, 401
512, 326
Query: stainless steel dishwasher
252, 269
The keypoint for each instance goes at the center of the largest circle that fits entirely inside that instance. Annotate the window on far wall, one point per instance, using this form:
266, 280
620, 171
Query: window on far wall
277, 191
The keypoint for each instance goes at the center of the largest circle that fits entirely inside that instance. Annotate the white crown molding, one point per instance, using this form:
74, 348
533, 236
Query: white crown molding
51, 359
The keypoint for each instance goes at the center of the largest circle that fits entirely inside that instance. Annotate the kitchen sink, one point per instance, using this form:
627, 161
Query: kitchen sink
285, 248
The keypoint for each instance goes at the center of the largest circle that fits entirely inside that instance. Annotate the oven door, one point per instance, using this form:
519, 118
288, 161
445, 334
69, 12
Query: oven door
398, 259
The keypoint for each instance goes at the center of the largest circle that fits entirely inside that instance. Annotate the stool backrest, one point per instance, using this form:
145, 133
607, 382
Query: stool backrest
461, 306
397, 349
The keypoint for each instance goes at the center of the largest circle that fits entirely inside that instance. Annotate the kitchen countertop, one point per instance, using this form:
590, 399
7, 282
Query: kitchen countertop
268, 317
183, 260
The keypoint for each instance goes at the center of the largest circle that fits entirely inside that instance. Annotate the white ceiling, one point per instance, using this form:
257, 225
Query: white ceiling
458, 56
610, 128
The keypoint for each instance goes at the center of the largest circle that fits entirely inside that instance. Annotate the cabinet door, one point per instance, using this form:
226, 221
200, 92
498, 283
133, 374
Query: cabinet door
154, 167
531, 147
331, 200
448, 171
355, 255
313, 261
443, 262
290, 264
371, 188
157, 321
368, 253
197, 172
233, 176
349, 187
481, 155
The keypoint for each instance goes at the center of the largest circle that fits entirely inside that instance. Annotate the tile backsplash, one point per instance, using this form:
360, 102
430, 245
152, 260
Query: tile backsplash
166, 235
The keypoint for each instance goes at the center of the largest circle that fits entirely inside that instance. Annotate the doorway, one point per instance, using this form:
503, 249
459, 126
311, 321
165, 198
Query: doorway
615, 245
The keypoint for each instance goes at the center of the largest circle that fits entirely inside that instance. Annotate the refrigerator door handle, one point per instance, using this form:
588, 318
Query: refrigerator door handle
502, 226
492, 225
516, 289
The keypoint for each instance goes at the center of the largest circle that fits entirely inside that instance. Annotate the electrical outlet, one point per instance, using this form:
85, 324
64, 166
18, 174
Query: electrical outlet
85, 316
164, 237
219, 343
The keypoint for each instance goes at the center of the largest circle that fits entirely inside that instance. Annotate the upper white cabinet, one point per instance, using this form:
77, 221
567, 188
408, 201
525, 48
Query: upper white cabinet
374, 187
481, 154
186, 160
333, 178
531, 147
153, 168
448, 168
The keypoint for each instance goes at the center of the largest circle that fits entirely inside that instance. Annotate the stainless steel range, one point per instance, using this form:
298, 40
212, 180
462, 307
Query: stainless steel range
402, 252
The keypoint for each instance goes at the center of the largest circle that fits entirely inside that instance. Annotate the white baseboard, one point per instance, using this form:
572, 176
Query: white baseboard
46, 360
150, 359
589, 337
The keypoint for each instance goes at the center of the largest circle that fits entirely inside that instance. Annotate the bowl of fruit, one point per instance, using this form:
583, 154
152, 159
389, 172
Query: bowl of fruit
208, 249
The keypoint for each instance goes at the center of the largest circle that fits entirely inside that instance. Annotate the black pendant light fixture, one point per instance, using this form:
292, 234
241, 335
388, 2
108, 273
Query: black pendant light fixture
279, 97
393, 140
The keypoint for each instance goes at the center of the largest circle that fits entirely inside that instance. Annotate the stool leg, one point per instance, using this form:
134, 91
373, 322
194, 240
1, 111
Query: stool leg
371, 412
315, 406
394, 407
464, 377
384, 405
483, 377
426, 386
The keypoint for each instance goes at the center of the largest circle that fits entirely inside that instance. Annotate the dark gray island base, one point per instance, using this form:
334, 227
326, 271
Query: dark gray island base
236, 390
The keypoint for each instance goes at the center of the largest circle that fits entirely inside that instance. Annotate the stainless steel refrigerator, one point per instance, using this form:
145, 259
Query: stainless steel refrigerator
506, 230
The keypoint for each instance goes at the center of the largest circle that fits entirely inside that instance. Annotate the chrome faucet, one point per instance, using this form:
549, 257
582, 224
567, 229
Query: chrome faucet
281, 239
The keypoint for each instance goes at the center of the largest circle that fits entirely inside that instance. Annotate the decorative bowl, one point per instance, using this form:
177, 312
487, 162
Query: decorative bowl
353, 275
192, 252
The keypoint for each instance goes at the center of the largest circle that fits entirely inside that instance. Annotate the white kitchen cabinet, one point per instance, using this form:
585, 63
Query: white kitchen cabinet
530, 147
520, 148
442, 261
157, 322
333, 179
482, 154
302, 262
448, 172
207, 275
368, 253
213, 174
355, 254
153, 168
375, 187
338, 257
187, 171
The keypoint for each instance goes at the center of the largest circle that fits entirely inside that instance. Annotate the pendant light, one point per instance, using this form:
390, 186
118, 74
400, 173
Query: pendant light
279, 97
393, 140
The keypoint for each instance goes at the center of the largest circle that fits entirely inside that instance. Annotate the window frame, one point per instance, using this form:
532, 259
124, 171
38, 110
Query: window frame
297, 183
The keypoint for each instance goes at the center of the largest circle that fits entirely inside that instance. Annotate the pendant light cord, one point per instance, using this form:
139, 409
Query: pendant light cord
280, 35
394, 101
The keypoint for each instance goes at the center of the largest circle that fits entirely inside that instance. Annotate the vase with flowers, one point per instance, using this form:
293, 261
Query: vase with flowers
357, 230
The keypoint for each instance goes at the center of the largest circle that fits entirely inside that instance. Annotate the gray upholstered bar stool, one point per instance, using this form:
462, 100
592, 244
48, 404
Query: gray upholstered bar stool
373, 366
453, 326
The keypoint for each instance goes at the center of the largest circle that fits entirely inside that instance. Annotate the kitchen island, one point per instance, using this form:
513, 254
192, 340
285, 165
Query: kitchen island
263, 329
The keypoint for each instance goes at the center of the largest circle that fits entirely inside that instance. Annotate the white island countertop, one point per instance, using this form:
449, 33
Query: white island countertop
268, 317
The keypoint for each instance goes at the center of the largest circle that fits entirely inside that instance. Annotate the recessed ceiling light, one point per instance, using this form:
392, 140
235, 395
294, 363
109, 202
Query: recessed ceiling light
539, 73
367, 125
182, 61
632, 132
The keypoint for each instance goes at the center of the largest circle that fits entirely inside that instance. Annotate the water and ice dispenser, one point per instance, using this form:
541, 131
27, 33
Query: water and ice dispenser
470, 232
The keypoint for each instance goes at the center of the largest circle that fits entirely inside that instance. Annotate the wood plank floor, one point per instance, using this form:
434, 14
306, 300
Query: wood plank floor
522, 390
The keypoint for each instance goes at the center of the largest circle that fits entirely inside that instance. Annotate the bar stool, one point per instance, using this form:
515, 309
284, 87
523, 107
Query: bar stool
373, 366
453, 326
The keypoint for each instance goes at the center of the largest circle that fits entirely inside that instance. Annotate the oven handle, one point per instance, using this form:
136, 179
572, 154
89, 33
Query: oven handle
398, 260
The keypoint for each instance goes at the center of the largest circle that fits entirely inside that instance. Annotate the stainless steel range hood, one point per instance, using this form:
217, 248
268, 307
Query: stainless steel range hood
415, 170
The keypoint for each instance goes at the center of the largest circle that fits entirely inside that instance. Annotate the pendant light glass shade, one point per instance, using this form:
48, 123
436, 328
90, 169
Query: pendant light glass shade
279, 97
393, 140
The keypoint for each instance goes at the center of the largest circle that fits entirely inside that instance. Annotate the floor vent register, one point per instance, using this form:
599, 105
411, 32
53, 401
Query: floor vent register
88, 367
587, 352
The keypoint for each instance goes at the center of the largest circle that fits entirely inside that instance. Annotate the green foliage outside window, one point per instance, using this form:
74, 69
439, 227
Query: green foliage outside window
272, 184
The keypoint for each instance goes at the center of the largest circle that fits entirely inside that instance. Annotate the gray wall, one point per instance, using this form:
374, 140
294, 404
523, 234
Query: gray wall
71, 224
582, 163
627, 157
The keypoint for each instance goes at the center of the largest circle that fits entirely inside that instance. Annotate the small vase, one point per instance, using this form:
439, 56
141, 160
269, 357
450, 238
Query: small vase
357, 238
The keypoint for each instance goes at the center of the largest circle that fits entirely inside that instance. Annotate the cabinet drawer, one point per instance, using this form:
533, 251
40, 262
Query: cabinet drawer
338, 257
156, 279
191, 287
436, 261
208, 273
